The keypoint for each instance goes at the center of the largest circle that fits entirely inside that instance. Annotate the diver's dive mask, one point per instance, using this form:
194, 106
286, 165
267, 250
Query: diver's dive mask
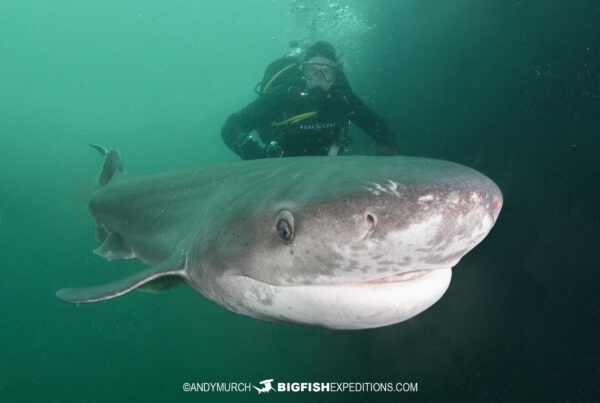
319, 72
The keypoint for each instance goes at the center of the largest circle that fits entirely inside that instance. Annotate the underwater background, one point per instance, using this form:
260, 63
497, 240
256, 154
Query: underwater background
510, 88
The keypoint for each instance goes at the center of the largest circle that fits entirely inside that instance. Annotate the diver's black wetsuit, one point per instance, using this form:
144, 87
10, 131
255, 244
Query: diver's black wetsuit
304, 124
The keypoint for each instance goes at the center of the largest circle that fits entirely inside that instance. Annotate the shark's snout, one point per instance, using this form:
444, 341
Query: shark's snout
417, 230
496, 205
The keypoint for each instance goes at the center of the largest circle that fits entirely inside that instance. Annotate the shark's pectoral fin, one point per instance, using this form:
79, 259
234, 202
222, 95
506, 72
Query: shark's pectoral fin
162, 272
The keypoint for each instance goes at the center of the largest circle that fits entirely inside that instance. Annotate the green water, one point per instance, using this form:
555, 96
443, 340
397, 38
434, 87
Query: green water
511, 88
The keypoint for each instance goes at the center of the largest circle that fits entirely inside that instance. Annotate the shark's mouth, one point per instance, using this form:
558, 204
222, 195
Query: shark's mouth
405, 276
350, 305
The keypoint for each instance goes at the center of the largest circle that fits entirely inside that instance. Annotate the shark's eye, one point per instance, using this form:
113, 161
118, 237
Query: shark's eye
284, 225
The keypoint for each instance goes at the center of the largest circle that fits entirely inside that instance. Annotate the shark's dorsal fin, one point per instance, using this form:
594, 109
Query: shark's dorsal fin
112, 164
170, 267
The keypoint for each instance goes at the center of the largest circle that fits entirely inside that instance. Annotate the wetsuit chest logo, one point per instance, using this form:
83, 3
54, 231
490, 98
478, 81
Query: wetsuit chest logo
318, 126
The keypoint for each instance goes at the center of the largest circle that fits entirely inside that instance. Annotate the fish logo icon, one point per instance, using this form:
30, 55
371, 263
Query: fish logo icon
266, 386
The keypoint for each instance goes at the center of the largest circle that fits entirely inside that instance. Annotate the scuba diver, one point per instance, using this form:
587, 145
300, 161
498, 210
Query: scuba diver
305, 107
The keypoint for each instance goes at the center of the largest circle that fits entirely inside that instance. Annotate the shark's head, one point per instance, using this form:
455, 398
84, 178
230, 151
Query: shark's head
347, 243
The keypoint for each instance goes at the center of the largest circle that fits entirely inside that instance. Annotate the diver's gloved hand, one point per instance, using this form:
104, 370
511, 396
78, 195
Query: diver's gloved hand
273, 150
250, 149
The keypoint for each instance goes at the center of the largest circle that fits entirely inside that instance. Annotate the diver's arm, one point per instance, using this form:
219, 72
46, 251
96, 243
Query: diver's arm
236, 131
373, 124
367, 119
